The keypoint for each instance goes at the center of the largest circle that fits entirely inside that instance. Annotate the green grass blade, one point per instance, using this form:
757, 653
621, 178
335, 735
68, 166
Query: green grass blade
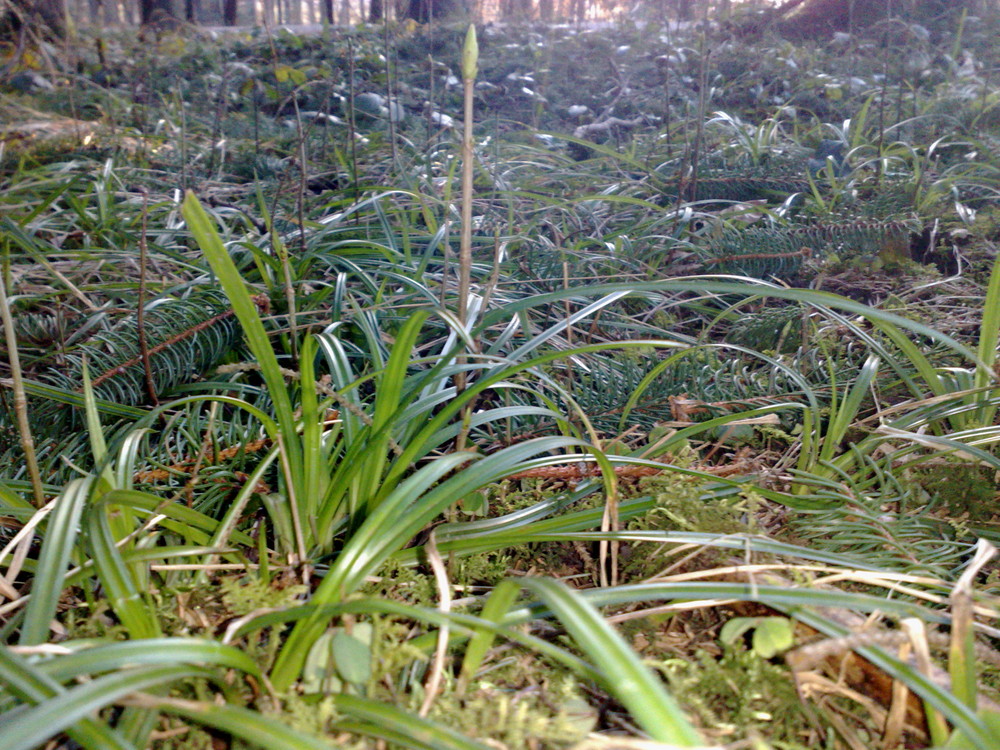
252, 726
123, 594
989, 335
29, 684
53, 561
72, 398
234, 286
626, 677
149, 651
497, 605
847, 410
389, 722
25, 729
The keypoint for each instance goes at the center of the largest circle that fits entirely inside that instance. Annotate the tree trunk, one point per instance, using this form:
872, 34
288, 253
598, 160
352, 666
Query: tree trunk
424, 11
47, 18
228, 12
375, 11
158, 13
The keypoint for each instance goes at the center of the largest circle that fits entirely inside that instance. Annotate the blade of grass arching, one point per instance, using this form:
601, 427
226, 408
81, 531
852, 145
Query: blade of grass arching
398, 726
148, 651
784, 598
252, 726
717, 285
25, 729
338, 363
128, 457
944, 445
497, 605
406, 511
27, 683
260, 345
421, 443
146, 555
565, 529
53, 561
183, 516
138, 617
536, 341
699, 427
626, 677
72, 398
627, 162
914, 355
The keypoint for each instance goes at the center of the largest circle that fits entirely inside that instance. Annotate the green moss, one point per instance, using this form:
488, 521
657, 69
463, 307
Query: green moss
961, 487
402, 583
83, 623
737, 696
680, 505
541, 713
243, 595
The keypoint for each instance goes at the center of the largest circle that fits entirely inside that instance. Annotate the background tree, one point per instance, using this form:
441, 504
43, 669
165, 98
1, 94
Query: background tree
157, 12
423, 11
817, 18
44, 17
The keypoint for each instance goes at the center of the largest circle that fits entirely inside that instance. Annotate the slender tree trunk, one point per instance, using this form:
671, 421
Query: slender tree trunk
229, 12
375, 11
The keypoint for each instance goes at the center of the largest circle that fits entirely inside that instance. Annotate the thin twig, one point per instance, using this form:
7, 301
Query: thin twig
21, 400
444, 593
140, 315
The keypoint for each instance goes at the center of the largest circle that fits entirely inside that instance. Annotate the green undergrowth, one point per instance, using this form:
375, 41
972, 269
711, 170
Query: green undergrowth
311, 466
